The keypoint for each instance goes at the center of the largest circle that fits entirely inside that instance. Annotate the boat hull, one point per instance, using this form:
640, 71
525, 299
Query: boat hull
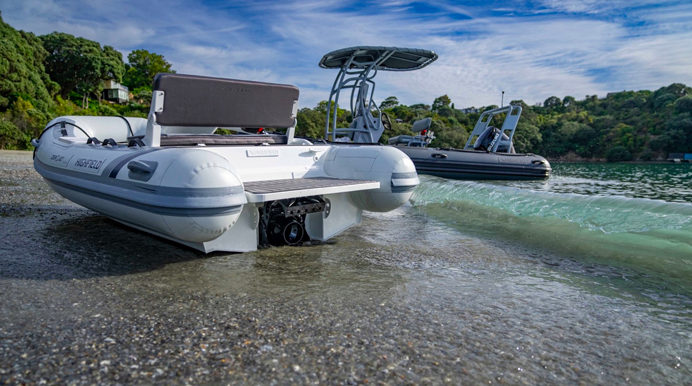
223, 197
477, 165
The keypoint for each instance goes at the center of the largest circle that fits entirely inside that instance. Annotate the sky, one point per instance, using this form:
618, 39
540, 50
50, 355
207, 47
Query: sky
530, 49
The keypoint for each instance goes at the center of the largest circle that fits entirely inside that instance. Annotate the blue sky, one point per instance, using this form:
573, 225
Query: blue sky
529, 49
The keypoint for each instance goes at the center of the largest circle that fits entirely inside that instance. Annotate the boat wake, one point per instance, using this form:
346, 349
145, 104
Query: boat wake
651, 237
607, 214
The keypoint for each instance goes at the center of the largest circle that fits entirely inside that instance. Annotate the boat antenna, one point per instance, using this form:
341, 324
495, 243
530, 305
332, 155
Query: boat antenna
502, 104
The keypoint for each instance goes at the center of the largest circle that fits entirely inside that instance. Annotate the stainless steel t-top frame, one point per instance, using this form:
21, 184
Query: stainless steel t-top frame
358, 67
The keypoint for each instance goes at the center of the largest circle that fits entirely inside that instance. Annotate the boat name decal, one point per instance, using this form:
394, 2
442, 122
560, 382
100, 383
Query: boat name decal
57, 158
87, 163
263, 153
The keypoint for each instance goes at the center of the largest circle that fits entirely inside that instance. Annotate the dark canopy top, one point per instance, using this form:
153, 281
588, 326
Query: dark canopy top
403, 59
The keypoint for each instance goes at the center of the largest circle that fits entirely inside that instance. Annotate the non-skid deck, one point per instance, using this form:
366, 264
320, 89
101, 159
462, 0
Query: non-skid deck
261, 191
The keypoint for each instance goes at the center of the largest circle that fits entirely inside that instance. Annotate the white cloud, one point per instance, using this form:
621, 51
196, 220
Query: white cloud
597, 6
46, 16
576, 6
526, 59
567, 47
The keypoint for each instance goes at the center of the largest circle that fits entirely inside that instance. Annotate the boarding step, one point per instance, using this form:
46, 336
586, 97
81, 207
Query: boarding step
261, 191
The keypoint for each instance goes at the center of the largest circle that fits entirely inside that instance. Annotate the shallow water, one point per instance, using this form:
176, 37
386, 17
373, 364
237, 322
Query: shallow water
570, 280
584, 214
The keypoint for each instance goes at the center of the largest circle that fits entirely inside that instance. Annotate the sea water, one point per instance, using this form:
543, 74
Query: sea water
582, 278
585, 278
636, 217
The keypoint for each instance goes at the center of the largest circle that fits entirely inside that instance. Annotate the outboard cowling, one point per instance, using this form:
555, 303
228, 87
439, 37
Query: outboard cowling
485, 141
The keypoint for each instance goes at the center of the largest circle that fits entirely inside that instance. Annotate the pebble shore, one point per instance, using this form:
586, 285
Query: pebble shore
399, 300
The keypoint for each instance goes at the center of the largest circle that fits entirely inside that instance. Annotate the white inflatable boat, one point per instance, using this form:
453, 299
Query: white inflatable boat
170, 175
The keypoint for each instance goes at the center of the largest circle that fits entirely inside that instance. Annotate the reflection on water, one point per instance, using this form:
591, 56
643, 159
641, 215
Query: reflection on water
495, 303
549, 279
329, 270
667, 182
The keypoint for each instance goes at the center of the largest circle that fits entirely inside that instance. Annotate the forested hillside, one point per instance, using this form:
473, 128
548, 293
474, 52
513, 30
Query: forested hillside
59, 74
630, 125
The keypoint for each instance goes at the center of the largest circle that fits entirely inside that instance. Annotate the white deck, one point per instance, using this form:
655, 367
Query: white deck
261, 191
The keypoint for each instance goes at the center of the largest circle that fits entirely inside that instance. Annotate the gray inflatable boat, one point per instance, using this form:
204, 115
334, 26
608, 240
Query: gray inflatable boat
488, 154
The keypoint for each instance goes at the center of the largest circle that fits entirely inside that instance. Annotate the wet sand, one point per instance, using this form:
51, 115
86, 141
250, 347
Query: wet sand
402, 299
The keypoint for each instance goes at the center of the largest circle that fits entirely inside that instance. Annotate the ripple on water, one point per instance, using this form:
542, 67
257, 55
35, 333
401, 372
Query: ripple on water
503, 293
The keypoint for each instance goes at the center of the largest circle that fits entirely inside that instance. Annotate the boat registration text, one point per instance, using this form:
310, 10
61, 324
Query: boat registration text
263, 153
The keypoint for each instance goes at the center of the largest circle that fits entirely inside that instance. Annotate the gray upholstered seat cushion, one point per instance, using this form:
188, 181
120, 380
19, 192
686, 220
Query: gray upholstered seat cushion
400, 139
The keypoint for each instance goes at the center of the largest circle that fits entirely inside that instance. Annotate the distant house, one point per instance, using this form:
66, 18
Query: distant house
115, 92
469, 110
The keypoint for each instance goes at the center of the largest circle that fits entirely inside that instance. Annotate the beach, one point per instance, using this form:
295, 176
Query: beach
408, 297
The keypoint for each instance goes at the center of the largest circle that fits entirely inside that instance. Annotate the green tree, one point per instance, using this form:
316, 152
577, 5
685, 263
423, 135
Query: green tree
405, 113
441, 102
568, 101
552, 102
684, 105
311, 123
676, 89
585, 141
143, 67
626, 136
340, 113
462, 118
679, 131
389, 103
527, 138
22, 72
617, 154
80, 64
447, 136
19, 124
420, 106
663, 100
447, 112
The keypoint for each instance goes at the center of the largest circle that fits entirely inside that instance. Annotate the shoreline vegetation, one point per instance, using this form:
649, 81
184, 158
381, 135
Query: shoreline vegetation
43, 77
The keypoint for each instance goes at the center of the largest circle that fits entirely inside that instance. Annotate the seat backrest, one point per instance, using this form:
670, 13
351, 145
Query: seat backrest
199, 101
423, 124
